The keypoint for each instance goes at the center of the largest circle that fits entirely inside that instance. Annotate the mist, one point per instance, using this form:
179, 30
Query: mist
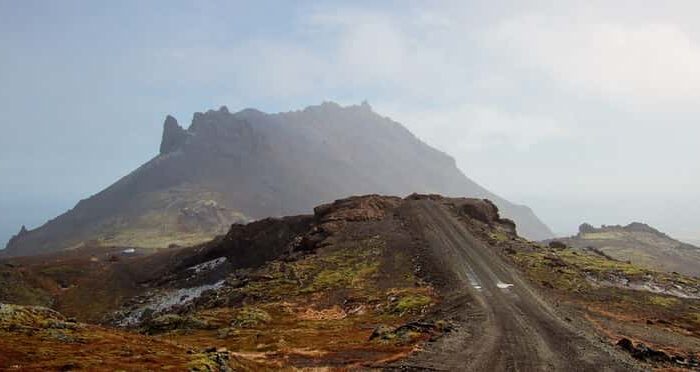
585, 112
407, 185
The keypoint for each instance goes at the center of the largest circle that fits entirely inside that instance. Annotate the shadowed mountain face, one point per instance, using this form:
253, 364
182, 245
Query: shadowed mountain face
641, 244
232, 167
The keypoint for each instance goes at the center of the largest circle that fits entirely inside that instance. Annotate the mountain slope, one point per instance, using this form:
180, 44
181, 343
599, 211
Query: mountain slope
362, 282
228, 168
641, 244
416, 283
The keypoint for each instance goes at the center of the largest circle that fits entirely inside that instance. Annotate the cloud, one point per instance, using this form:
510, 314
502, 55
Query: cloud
643, 64
516, 85
470, 128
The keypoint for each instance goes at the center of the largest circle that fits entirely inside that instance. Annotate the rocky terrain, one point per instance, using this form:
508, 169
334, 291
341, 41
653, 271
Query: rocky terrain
640, 244
421, 282
236, 167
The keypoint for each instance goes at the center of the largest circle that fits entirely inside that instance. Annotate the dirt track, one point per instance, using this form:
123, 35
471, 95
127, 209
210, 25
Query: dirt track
506, 325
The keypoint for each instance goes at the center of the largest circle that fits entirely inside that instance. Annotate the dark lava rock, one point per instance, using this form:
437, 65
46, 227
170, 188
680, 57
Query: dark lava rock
481, 210
169, 322
382, 332
557, 245
69, 367
626, 344
404, 331
647, 353
643, 352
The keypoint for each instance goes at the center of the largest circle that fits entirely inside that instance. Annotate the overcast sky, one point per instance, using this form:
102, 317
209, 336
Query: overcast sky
585, 111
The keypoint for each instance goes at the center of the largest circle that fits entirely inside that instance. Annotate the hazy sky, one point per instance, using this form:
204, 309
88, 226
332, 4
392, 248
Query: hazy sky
586, 111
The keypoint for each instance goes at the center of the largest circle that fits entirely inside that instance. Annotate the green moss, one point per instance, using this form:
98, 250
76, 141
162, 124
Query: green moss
16, 290
202, 363
410, 303
596, 264
250, 317
695, 317
330, 279
568, 269
352, 265
553, 270
499, 236
31, 317
664, 301
355, 275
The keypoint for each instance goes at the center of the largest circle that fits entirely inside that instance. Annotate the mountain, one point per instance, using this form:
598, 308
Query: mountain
641, 244
236, 167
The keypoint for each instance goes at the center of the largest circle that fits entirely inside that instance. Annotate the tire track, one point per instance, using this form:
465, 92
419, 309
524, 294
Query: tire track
518, 330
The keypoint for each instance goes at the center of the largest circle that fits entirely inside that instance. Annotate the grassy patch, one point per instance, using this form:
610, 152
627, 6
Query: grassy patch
664, 301
601, 284
347, 267
568, 269
250, 317
354, 276
411, 303
553, 271
17, 287
499, 236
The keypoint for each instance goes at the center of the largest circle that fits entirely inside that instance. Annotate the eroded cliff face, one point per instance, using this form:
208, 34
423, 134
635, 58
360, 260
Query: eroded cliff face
252, 165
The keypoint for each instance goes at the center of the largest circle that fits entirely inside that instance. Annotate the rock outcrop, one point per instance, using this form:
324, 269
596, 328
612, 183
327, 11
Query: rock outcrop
173, 136
587, 228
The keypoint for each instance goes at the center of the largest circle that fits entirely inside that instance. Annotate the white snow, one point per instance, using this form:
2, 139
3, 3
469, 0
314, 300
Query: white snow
647, 286
208, 266
165, 301
502, 285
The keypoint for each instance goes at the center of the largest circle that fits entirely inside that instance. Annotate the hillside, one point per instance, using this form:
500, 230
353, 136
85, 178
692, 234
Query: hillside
415, 283
363, 282
640, 244
236, 167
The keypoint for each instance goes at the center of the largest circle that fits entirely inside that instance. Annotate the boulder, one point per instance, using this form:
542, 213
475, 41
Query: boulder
170, 322
643, 352
557, 245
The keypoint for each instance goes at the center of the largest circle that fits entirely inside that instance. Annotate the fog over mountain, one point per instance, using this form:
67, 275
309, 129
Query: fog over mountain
227, 168
205, 186
583, 111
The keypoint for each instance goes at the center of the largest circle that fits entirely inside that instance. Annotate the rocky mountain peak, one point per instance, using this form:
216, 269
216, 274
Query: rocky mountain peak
365, 105
633, 227
173, 135
586, 228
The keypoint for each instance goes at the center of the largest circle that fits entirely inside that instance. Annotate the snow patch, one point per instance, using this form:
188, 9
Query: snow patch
208, 266
648, 286
502, 285
162, 302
